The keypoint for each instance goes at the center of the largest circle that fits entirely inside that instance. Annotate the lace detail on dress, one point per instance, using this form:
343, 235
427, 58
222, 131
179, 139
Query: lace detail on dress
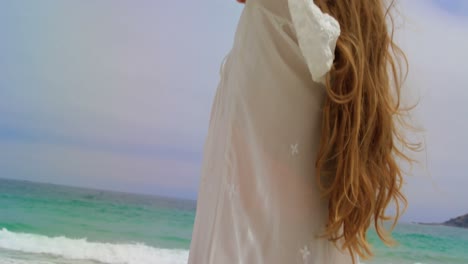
317, 33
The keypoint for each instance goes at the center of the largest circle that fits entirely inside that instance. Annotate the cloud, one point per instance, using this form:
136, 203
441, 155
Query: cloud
131, 81
138, 74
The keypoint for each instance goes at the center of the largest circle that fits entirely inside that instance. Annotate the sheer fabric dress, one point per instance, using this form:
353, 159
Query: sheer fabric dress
258, 200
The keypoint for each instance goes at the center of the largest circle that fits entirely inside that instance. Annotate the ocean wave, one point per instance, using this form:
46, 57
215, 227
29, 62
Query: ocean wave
16, 261
4, 260
82, 249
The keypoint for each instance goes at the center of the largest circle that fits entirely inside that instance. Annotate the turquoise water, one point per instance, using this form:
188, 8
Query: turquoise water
45, 224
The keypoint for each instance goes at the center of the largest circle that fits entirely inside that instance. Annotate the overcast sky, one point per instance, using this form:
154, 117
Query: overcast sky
117, 94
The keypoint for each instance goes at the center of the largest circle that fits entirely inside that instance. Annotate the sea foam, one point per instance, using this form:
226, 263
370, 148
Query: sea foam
82, 249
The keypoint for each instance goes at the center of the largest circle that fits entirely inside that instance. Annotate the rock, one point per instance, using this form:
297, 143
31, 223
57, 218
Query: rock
461, 221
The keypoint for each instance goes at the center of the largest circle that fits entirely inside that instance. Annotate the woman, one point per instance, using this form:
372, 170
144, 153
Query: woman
300, 156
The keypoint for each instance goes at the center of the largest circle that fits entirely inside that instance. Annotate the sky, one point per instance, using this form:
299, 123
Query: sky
117, 94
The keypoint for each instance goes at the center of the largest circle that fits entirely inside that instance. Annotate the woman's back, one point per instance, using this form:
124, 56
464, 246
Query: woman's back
258, 200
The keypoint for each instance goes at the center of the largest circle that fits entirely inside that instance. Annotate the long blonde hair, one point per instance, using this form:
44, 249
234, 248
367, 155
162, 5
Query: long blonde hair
356, 164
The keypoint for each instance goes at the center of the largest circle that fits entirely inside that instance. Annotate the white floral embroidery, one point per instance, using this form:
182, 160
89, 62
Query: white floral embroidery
305, 253
294, 149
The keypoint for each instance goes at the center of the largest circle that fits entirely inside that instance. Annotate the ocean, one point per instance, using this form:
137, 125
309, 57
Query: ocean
53, 224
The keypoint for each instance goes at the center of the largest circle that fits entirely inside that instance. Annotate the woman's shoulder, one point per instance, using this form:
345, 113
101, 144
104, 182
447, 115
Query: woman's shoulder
317, 33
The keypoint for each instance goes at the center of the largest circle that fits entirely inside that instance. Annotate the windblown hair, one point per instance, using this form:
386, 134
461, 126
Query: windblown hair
362, 121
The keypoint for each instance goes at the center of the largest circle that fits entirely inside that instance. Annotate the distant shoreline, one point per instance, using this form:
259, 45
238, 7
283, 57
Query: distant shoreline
460, 221
98, 189
421, 223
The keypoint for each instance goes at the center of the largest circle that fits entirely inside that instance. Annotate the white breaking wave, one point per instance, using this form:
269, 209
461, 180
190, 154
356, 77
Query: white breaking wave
81, 249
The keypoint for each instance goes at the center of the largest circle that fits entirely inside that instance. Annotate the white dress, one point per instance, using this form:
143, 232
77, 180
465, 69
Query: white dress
258, 201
